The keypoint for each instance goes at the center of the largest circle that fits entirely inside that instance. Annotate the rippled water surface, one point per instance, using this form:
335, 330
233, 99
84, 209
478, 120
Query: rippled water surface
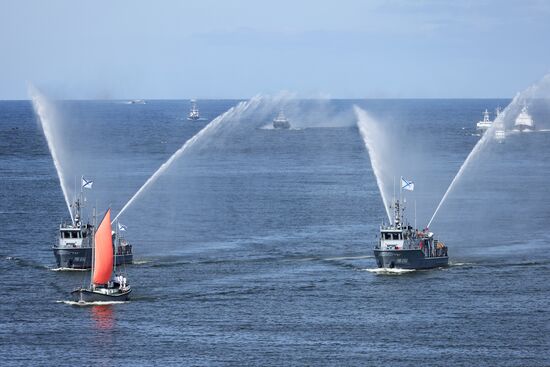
256, 248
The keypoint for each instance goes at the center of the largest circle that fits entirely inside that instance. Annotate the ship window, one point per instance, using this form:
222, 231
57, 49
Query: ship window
66, 235
396, 236
387, 236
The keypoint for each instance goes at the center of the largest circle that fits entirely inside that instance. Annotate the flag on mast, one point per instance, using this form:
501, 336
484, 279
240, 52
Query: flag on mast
407, 185
86, 184
121, 227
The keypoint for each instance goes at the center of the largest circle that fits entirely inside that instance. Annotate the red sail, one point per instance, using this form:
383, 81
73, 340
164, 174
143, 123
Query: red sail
103, 251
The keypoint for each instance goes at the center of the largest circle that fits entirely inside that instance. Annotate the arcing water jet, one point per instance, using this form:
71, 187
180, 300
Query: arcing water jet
371, 135
503, 119
209, 129
47, 116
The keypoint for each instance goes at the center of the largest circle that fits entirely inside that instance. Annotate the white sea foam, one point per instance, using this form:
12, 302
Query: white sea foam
141, 262
98, 303
461, 264
388, 271
68, 269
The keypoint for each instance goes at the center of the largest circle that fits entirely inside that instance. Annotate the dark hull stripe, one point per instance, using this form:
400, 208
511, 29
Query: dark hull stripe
87, 295
82, 258
408, 259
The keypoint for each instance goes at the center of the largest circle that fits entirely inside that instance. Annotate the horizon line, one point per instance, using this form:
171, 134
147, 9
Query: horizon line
248, 98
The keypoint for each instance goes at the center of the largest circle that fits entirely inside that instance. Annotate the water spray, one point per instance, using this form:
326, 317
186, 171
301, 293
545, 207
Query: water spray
46, 115
212, 126
488, 136
366, 128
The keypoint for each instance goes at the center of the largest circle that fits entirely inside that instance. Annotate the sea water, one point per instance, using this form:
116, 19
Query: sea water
255, 249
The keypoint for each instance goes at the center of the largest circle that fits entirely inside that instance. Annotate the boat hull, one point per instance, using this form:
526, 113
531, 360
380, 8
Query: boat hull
525, 128
81, 258
408, 259
88, 295
282, 125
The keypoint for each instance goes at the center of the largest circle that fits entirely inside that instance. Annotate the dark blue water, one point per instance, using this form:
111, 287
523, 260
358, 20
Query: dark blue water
254, 248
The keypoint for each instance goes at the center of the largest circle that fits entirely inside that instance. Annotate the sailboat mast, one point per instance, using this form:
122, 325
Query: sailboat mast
415, 214
93, 248
115, 246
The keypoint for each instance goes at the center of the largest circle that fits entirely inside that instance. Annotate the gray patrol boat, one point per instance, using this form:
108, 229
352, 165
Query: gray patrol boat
402, 247
73, 249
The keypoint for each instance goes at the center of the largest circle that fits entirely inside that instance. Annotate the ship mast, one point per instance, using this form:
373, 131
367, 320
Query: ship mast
397, 214
94, 228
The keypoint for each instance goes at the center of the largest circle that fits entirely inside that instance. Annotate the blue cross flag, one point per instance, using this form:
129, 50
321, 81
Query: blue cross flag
87, 184
407, 185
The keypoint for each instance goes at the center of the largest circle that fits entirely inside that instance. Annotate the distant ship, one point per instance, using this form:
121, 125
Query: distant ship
136, 101
103, 286
194, 111
486, 123
402, 247
524, 121
73, 249
281, 122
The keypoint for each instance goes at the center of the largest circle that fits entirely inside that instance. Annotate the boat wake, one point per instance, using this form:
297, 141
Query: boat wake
270, 127
141, 262
67, 269
98, 303
348, 258
461, 264
388, 271
516, 131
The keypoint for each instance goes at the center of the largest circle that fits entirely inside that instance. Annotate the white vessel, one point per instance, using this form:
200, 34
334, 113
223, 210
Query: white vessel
524, 121
136, 101
485, 123
281, 122
194, 111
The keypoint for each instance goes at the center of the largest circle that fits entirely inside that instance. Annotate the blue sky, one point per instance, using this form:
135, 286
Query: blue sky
235, 49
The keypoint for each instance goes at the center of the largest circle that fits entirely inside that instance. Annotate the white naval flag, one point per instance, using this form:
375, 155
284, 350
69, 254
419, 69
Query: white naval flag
407, 185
